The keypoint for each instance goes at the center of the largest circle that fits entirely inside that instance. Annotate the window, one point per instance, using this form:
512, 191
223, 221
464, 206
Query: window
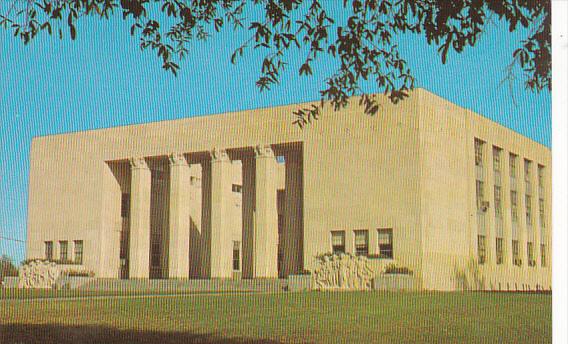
338, 242
125, 205
528, 207
541, 212
385, 243
497, 201
499, 251
528, 185
49, 250
78, 251
541, 180
478, 152
479, 194
362, 242
514, 208
530, 254
63, 251
481, 249
515, 249
155, 253
513, 167
543, 255
496, 159
237, 188
236, 255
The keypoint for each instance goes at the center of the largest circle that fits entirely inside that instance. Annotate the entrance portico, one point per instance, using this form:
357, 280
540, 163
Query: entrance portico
213, 246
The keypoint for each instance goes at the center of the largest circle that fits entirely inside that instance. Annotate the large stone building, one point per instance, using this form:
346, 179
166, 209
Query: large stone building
425, 183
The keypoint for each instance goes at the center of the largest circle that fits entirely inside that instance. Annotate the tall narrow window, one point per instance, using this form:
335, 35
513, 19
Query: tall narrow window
497, 165
543, 255
362, 242
541, 181
478, 152
125, 205
385, 243
497, 200
49, 250
514, 207
530, 254
528, 207
236, 255
528, 185
541, 213
513, 169
499, 251
515, 251
338, 242
481, 249
63, 257
479, 195
78, 251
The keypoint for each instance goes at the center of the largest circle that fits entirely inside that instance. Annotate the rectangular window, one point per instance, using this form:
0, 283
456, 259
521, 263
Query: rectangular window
515, 250
125, 205
530, 254
49, 250
528, 184
497, 201
541, 213
385, 243
338, 242
479, 194
236, 255
237, 188
496, 159
362, 242
481, 249
478, 152
155, 253
513, 170
63, 251
78, 251
543, 255
499, 251
514, 206
528, 207
541, 181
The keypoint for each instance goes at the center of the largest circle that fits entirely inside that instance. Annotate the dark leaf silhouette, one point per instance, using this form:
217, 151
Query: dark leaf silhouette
362, 45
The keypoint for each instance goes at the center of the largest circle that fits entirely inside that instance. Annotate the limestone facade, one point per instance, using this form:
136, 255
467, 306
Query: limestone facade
250, 195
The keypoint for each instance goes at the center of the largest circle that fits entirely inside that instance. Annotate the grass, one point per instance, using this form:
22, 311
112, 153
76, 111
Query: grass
346, 317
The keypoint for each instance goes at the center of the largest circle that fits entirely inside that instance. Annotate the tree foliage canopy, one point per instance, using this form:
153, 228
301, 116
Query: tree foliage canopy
363, 45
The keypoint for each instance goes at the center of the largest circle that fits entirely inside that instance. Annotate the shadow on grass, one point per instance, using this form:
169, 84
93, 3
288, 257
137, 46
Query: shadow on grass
57, 333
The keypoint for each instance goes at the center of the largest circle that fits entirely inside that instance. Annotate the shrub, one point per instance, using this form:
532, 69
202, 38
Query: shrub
7, 268
79, 273
393, 269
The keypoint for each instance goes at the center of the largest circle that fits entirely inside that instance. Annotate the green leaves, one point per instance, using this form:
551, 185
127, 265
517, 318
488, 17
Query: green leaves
362, 45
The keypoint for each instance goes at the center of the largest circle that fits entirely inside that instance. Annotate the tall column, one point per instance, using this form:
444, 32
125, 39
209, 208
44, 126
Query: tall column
293, 222
265, 253
217, 248
248, 207
179, 222
140, 192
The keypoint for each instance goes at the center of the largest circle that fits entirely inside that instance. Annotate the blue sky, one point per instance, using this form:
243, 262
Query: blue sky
103, 79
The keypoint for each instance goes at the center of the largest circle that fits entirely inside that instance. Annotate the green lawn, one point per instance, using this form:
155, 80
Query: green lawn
343, 317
